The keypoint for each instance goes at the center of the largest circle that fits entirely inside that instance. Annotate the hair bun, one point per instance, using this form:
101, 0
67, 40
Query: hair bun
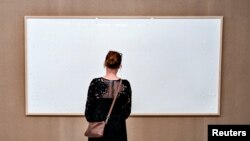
113, 60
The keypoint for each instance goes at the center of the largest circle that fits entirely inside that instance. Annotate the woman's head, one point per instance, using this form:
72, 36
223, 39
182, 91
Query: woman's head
113, 60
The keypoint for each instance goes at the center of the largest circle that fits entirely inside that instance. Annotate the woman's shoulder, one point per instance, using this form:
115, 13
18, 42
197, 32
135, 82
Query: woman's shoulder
95, 80
125, 81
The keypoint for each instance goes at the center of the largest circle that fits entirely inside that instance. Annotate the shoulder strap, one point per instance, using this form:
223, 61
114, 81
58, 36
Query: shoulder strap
113, 102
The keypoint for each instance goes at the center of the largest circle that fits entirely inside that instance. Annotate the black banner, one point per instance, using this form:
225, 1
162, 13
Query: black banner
226, 132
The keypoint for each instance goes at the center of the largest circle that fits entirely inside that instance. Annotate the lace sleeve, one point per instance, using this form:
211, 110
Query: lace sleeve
126, 108
91, 102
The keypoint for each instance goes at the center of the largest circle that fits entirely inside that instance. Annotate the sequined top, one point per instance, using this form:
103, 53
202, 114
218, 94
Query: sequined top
100, 97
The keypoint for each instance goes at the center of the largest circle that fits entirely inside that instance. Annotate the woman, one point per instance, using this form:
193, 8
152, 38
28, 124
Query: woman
100, 97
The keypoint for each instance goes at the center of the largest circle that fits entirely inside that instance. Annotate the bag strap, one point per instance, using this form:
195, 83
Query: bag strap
113, 102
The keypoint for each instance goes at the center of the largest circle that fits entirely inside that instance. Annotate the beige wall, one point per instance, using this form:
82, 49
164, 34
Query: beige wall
235, 92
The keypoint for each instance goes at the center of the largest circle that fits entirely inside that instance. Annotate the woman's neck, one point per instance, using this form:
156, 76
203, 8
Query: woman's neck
111, 74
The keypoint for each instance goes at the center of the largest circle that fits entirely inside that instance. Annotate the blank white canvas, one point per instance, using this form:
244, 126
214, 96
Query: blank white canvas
172, 64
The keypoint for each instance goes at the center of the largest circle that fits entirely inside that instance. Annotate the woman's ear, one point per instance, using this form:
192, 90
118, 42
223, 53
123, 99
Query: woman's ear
120, 66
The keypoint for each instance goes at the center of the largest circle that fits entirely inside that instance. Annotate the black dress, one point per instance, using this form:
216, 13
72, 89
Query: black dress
100, 97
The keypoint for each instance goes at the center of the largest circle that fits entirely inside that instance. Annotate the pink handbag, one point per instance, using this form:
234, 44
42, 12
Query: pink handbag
95, 129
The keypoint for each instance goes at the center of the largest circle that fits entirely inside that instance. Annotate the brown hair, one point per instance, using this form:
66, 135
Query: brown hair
113, 60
